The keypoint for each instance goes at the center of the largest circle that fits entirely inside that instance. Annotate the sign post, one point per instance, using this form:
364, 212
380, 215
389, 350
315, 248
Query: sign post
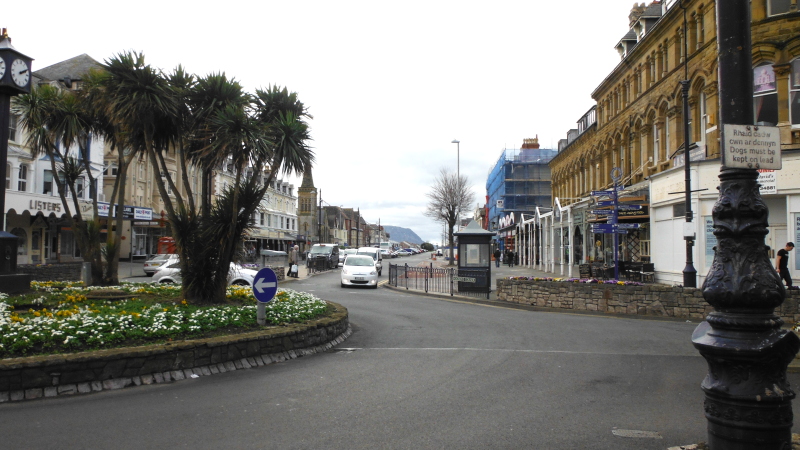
265, 286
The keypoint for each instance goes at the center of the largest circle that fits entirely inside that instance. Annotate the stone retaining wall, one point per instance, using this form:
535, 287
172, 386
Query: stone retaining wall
648, 300
52, 272
80, 373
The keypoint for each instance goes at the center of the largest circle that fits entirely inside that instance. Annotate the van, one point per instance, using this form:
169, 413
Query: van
375, 253
328, 251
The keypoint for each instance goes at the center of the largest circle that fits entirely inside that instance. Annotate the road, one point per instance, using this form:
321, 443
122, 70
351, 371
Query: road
418, 372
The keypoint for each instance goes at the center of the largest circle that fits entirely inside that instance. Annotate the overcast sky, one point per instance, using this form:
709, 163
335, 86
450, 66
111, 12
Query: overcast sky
390, 84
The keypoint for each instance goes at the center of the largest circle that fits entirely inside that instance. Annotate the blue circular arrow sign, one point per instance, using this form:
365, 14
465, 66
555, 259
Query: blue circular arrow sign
265, 285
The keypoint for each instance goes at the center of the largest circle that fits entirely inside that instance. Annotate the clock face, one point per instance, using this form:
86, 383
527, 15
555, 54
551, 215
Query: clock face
2, 67
20, 73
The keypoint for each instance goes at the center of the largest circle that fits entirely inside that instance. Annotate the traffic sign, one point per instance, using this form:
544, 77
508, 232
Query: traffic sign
265, 285
629, 207
602, 193
627, 226
605, 203
602, 212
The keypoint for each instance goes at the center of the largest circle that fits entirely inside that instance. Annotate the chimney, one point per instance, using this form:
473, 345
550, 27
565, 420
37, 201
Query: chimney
531, 143
636, 12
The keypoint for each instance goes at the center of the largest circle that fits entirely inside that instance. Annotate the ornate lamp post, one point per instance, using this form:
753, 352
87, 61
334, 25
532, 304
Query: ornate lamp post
15, 78
458, 157
747, 396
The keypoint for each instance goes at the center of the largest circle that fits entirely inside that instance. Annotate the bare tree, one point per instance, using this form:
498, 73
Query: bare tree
449, 199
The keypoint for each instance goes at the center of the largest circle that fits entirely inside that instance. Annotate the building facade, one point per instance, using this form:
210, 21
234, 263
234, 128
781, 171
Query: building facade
638, 129
518, 183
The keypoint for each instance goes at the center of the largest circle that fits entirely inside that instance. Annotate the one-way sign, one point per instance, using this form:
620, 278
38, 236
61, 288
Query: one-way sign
265, 285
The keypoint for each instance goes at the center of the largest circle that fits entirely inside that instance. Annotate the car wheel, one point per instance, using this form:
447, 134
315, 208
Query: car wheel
166, 282
375, 287
379, 273
342, 284
240, 283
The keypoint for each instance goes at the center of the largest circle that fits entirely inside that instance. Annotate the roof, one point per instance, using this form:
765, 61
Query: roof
73, 68
473, 229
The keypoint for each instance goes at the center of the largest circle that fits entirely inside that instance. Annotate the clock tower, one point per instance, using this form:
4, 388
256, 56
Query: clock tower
15, 78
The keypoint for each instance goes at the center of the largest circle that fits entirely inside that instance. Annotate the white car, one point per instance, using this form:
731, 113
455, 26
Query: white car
237, 275
343, 254
404, 253
359, 270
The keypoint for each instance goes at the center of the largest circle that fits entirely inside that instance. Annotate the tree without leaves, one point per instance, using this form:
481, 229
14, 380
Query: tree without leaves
449, 199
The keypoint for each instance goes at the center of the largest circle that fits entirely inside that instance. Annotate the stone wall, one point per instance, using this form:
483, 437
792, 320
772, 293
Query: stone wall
80, 373
646, 300
52, 272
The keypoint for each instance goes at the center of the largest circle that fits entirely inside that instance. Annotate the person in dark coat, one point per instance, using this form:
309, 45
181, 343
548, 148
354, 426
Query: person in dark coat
497, 255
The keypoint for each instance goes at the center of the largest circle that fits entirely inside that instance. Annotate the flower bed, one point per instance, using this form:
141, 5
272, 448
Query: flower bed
58, 317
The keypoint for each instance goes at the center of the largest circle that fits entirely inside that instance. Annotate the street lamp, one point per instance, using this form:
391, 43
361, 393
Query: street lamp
458, 157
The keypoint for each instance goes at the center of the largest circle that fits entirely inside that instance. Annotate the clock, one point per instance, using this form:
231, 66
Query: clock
20, 73
2, 67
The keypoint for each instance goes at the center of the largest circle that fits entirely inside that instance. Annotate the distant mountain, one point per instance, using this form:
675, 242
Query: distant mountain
399, 234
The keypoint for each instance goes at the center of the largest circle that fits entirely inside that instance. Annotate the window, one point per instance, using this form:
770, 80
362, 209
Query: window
765, 96
110, 170
79, 186
22, 181
47, 183
794, 94
263, 219
8, 175
12, 127
778, 7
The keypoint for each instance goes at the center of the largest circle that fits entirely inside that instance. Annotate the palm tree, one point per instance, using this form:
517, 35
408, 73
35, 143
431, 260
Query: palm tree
56, 119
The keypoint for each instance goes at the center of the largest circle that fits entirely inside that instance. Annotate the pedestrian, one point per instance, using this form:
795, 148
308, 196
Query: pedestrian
511, 258
782, 263
293, 260
497, 255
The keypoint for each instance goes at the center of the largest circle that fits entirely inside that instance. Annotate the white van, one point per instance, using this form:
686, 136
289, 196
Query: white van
375, 253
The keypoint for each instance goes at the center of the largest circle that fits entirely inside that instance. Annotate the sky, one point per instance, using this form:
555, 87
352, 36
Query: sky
390, 85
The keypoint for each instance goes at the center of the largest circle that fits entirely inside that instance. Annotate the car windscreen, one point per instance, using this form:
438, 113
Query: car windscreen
358, 261
321, 250
162, 257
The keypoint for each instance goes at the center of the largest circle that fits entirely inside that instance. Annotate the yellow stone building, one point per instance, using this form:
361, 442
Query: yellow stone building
637, 126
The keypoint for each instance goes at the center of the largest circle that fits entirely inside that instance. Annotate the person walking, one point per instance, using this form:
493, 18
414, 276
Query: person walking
511, 258
782, 263
497, 255
293, 260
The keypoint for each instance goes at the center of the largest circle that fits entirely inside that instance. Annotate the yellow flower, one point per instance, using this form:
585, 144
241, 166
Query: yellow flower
183, 302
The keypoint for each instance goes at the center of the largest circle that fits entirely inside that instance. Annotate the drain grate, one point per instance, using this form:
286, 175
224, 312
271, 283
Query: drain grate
636, 434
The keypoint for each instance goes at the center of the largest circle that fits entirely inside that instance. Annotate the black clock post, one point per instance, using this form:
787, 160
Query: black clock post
15, 78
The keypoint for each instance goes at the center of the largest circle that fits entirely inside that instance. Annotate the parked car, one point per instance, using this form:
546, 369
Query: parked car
385, 253
404, 253
237, 275
344, 253
328, 251
153, 264
375, 254
359, 270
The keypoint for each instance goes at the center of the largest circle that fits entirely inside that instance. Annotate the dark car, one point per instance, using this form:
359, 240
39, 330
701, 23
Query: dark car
328, 251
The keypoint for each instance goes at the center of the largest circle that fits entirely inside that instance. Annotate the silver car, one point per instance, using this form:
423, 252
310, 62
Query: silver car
237, 275
359, 270
155, 263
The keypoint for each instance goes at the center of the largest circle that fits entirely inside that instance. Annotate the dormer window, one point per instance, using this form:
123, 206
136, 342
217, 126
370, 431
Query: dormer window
775, 7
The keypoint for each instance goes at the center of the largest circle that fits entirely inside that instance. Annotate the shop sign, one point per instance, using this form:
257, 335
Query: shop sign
634, 213
768, 181
38, 205
128, 212
695, 153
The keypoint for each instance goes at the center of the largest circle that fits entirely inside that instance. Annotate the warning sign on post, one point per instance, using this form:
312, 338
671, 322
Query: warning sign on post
751, 147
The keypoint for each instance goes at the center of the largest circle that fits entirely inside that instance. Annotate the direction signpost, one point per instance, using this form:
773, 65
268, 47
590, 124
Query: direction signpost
265, 286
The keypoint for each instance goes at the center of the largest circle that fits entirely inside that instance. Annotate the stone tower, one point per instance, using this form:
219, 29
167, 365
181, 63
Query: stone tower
307, 200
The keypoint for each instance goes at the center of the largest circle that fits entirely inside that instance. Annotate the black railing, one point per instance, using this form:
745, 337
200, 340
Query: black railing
440, 280
317, 264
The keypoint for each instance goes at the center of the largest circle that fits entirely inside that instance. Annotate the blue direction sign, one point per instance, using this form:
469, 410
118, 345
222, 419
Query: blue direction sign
629, 207
603, 228
605, 203
602, 212
628, 226
602, 193
265, 285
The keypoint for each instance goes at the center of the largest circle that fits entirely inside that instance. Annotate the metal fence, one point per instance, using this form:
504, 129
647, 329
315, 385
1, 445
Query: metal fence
439, 280
317, 264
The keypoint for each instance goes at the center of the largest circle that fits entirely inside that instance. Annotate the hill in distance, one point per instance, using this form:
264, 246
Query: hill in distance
399, 234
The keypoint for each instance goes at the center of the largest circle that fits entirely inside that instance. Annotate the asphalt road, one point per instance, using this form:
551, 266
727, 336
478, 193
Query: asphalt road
418, 372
